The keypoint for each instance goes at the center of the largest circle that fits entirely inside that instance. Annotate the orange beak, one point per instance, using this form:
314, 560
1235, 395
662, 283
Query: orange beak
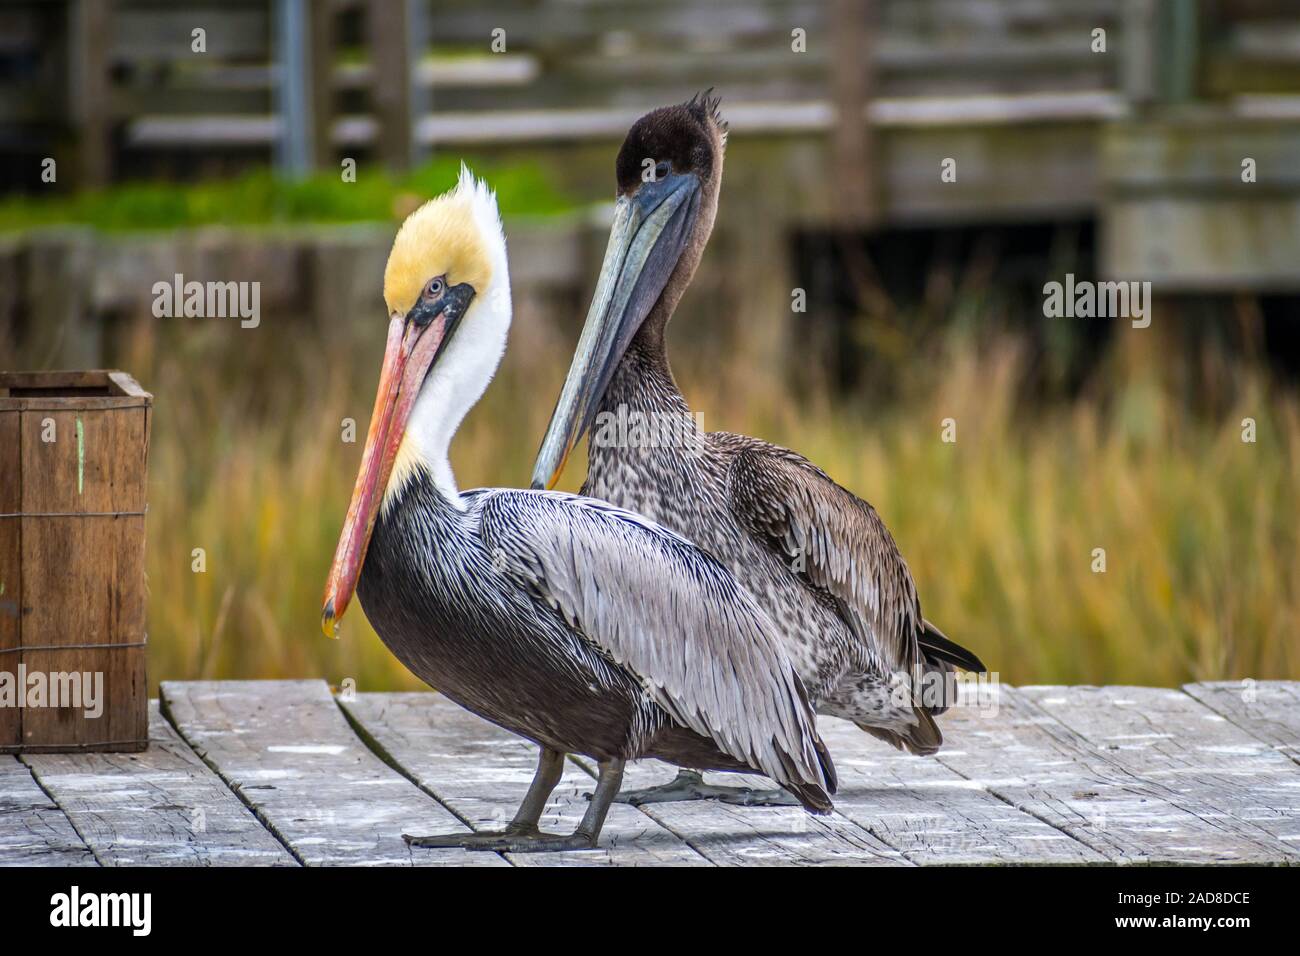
410, 352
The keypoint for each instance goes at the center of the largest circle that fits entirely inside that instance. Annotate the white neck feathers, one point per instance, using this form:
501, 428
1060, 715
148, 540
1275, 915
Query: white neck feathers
469, 361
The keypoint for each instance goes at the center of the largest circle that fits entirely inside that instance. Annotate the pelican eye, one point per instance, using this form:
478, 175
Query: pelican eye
662, 170
434, 288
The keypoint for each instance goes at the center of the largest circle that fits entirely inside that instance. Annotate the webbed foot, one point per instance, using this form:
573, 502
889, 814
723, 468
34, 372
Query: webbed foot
690, 785
506, 841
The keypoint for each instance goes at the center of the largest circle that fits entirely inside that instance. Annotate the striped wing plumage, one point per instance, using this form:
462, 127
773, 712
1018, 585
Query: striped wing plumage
837, 540
671, 614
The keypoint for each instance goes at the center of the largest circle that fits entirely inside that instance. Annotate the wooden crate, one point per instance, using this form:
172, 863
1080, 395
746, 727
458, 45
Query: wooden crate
73, 450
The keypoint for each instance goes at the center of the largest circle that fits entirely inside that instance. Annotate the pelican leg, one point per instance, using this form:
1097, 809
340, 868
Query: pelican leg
550, 767
522, 835
690, 785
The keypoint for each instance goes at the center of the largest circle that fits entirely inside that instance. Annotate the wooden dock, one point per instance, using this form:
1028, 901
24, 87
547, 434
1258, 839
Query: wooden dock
283, 773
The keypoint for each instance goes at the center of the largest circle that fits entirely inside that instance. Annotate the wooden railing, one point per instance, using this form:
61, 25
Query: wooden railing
121, 87
115, 84
841, 110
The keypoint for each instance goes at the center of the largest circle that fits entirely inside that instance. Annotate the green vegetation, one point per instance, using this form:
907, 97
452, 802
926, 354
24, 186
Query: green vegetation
261, 198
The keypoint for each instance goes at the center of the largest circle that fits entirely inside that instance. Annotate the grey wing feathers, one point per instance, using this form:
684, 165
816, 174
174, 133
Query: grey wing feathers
837, 539
674, 616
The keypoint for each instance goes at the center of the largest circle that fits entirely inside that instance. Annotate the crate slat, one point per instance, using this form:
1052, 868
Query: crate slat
11, 733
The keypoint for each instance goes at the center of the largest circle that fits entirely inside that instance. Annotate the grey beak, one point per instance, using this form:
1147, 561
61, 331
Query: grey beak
651, 228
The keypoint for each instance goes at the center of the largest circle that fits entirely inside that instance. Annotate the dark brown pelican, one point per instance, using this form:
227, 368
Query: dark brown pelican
816, 557
583, 627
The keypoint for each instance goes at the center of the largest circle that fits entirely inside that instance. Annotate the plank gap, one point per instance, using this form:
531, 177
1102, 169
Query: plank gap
164, 710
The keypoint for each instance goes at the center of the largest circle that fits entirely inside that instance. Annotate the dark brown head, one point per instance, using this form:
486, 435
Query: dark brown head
690, 137
668, 173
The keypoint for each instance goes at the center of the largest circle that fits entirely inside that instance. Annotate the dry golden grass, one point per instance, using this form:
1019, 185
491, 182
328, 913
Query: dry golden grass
1200, 529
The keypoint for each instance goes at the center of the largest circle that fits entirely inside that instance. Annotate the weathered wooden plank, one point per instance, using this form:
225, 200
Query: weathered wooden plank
1199, 157
90, 81
1210, 766
759, 836
853, 78
913, 810
162, 807
1051, 775
1202, 244
934, 814
288, 752
33, 831
320, 68
481, 773
763, 836
390, 93
458, 127
561, 27
158, 34
1028, 758
1268, 710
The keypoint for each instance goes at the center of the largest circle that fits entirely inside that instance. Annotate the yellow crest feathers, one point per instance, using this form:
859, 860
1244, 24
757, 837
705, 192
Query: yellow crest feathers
444, 237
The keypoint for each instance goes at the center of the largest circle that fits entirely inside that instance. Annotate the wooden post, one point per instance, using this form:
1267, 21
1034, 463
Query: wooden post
1138, 68
852, 23
421, 103
853, 186
320, 53
89, 41
391, 81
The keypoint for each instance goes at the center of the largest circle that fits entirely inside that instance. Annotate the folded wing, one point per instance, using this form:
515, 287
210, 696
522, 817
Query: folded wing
841, 545
674, 616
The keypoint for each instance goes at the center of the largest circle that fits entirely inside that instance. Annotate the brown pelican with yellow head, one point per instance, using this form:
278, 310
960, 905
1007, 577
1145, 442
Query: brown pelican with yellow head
580, 626
815, 556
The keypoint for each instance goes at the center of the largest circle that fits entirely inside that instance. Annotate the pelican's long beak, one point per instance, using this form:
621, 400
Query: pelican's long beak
410, 352
651, 228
